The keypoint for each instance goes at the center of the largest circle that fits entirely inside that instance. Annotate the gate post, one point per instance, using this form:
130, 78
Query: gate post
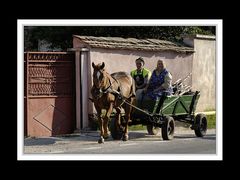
81, 68
84, 86
78, 96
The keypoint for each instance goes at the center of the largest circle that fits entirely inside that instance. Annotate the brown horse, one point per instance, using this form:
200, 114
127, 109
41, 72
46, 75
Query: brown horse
105, 92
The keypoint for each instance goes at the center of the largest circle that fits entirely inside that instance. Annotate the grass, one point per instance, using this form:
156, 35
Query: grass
209, 109
211, 121
137, 127
130, 128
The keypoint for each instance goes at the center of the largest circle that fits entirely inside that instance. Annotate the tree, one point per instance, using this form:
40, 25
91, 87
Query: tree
61, 36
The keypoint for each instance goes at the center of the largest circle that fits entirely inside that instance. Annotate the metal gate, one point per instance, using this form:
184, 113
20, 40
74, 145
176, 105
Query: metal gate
49, 103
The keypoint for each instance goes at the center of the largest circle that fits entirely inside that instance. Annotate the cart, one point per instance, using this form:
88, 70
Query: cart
162, 114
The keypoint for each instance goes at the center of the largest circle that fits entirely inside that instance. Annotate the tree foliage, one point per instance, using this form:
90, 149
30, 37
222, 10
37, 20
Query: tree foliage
61, 36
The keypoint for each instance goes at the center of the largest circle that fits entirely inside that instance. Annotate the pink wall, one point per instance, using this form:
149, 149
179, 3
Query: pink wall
124, 60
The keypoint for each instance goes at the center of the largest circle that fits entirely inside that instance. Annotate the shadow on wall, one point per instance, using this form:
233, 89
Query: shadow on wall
63, 120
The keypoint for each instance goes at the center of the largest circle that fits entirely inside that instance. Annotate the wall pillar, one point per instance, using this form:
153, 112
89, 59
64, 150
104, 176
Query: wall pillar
78, 89
81, 69
84, 86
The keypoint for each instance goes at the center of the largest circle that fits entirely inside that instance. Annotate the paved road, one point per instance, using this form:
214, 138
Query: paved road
184, 142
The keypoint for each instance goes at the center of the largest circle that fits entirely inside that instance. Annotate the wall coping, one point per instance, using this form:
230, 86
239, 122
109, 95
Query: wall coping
200, 36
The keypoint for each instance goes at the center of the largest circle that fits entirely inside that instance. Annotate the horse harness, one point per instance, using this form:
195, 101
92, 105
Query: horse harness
117, 93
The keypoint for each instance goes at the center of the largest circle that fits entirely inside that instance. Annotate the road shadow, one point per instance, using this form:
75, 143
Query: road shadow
190, 136
39, 141
95, 136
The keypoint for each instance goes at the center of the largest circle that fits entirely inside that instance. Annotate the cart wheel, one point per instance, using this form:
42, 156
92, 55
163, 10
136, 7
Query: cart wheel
115, 131
152, 130
168, 128
201, 125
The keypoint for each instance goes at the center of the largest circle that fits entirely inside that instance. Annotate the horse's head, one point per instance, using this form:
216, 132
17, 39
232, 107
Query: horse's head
99, 76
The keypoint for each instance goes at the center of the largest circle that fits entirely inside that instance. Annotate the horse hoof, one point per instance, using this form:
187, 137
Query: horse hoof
125, 138
101, 140
106, 136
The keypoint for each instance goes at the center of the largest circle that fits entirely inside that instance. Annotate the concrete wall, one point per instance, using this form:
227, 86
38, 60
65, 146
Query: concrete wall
204, 72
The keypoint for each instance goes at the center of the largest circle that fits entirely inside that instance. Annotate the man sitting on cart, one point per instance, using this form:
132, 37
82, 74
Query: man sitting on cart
141, 76
160, 82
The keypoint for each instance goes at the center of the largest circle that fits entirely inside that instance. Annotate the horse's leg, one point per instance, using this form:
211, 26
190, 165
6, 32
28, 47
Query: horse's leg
100, 122
127, 114
118, 119
106, 120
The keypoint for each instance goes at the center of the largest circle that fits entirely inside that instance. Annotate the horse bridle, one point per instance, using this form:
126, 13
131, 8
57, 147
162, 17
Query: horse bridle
109, 88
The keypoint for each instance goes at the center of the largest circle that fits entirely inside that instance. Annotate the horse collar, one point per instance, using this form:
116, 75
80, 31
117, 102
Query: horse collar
113, 91
110, 84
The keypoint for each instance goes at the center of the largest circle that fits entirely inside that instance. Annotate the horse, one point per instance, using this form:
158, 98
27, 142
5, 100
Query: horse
108, 92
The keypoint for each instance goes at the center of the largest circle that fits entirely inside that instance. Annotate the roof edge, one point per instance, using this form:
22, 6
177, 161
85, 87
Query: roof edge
176, 48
